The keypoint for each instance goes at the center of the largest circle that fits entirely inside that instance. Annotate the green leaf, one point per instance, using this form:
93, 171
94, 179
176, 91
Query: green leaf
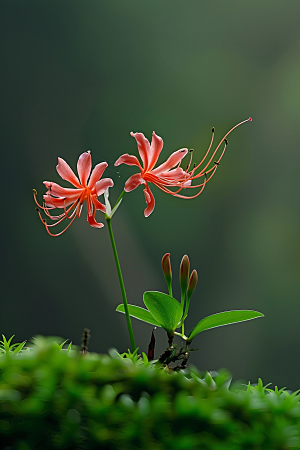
62, 344
18, 347
145, 359
139, 313
165, 309
223, 318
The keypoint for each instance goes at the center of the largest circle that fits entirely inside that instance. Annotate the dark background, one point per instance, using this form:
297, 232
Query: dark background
79, 75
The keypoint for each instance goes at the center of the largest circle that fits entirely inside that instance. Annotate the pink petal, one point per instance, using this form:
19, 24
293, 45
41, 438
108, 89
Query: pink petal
99, 205
155, 149
171, 162
143, 147
177, 174
58, 202
65, 171
97, 173
149, 200
58, 191
102, 185
130, 160
84, 166
133, 182
91, 220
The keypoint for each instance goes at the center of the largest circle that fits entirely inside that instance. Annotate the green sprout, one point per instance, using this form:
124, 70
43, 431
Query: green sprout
166, 312
7, 348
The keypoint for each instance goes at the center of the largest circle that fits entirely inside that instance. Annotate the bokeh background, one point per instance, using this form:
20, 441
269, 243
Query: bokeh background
79, 75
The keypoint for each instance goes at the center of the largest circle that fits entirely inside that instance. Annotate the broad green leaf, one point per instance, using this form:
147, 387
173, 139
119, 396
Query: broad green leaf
165, 309
139, 313
223, 318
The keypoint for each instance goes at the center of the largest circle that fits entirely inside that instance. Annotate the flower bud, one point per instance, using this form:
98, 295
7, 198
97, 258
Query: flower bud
192, 283
184, 273
166, 267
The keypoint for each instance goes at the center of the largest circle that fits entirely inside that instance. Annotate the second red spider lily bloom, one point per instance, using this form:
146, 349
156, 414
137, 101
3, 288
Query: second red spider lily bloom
71, 200
163, 175
170, 174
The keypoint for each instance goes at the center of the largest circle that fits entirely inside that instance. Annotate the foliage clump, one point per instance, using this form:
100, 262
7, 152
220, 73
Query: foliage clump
61, 399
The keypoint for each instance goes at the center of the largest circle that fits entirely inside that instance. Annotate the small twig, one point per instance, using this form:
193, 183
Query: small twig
85, 341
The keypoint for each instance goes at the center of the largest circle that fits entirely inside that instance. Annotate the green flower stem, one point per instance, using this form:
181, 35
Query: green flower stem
120, 197
129, 325
182, 335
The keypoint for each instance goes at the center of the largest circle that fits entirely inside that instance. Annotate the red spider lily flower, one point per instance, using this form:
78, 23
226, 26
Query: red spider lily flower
71, 200
170, 174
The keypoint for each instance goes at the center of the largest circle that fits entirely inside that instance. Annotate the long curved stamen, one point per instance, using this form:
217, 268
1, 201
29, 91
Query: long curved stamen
67, 211
62, 219
34, 197
216, 163
212, 169
218, 146
175, 194
64, 215
58, 234
207, 179
213, 155
46, 209
189, 164
210, 145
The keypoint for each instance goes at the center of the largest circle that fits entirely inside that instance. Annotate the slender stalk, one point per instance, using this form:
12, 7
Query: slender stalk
129, 325
121, 196
181, 335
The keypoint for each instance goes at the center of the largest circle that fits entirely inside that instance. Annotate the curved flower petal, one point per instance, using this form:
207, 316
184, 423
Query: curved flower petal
59, 202
93, 223
102, 185
143, 148
171, 162
155, 149
65, 171
133, 182
84, 166
149, 200
99, 205
130, 160
59, 191
97, 174
177, 174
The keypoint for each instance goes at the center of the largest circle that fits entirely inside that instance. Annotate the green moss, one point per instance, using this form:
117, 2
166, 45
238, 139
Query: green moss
54, 399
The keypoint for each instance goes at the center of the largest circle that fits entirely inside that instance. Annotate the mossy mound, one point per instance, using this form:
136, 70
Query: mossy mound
54, 399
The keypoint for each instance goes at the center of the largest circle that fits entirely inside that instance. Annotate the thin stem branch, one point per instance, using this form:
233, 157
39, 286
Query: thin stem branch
121, 196
129, 325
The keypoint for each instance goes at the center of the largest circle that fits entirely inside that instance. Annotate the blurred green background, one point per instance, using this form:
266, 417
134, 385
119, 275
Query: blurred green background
79, 75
